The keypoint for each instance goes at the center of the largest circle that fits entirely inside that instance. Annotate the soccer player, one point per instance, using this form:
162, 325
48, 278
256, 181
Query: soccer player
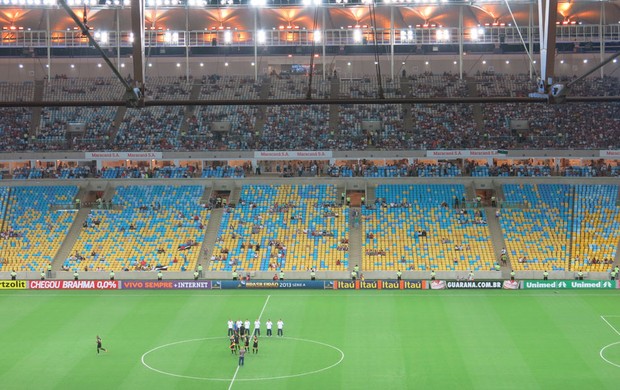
269, 324
242, 328
237, 340
230, 327
280, 328
246, 325
247, 342
242, 356
255, 345
99, 347
233, 346
257, 327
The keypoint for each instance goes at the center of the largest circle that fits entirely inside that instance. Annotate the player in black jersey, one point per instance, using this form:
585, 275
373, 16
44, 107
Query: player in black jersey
99, 347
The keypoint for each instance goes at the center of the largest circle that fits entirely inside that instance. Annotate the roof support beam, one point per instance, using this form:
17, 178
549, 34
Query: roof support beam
137, 28
547, 17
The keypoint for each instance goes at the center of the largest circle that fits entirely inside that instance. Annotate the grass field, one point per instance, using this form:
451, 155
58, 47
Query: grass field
333, 340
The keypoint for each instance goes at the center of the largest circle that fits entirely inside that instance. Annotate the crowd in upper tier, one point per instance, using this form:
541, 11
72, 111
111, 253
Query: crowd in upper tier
311, 127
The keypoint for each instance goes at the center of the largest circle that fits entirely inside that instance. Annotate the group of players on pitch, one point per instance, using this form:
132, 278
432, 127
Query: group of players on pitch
239, 333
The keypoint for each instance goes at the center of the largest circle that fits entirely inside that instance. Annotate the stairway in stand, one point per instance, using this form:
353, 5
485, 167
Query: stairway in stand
355, 237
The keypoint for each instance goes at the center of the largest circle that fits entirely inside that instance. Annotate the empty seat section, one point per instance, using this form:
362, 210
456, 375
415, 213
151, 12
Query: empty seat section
160, 225
408, 228
596, 227
36, 221
296, 227
537, 230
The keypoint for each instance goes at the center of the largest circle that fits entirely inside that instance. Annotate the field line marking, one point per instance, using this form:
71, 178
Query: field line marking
602, 354
233, 378
145, 364
264, 306
610, 325
259, 317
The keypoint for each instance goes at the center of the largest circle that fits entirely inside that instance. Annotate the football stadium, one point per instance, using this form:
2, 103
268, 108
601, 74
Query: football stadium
306, 194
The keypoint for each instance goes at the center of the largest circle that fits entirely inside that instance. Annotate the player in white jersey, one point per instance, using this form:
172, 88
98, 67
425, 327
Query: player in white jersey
246, 325
257, 327
280, 328
230, 327
269, 324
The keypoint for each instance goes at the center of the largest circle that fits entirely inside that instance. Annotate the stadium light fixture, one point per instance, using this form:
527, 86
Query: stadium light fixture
507, 62
178, 64
406, 36
131, 39
227, 37
484, 62
73, 66
426, 63
225, 63
21, 66
202, 64
258, 3
171, 37
102, 37
150, 65
561, 61
261, 37
253, 64
615, 60
476, 33
317, 36
443, 35
454, 62
357, 35
585, 61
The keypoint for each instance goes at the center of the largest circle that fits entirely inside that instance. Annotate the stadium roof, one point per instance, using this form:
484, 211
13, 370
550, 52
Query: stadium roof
163, 15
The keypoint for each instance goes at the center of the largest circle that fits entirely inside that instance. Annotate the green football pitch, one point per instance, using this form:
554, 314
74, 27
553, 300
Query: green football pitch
332, 340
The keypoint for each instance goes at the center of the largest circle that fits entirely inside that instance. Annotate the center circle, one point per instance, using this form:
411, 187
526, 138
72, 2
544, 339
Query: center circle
602, 353
187, 343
